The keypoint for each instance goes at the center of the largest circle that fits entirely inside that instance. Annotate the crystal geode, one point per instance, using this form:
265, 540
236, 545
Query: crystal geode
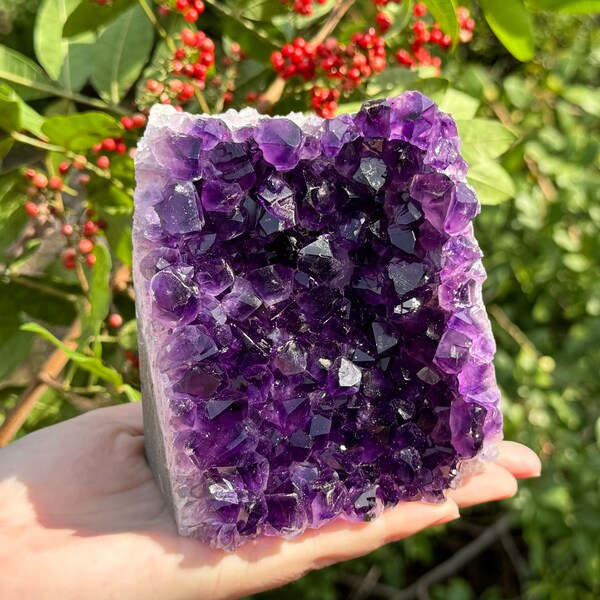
313, 339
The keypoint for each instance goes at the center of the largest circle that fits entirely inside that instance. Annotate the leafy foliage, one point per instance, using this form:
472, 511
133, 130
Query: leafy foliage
523, 95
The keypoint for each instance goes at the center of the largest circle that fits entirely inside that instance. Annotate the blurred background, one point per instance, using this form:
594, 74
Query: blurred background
521, 80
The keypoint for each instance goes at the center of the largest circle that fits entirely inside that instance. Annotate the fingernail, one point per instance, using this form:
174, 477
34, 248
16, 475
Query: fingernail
448, 518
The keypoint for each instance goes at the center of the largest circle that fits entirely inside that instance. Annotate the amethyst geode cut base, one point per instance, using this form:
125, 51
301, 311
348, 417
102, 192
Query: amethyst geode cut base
313, 339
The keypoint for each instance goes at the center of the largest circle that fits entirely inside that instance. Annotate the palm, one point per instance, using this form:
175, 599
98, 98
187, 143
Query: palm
80, 502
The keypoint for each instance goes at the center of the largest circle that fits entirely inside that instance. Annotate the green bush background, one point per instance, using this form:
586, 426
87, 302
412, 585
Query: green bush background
539, 230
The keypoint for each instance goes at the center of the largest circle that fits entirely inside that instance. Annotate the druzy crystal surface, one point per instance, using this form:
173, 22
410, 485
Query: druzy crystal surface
313, 338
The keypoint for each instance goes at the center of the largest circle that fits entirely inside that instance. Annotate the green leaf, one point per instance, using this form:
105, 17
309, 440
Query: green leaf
5, 147
90, 364
459, 105
100, 296
491, 182
444, 12
513, 26
79, 132
12, 215
90, 15
68, 61
122, 50
13, 351
132, 394
28, 119
582, 96
10, 111
483, 139
23, 74
128, 336
566, 6
50, 48
391, 81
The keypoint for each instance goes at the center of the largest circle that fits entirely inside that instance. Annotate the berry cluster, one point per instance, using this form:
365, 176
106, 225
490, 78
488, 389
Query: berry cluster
190, 9
324, 101
187, 69
195, 57
423, 34
81, 241
117, 144
347, 65
303, 7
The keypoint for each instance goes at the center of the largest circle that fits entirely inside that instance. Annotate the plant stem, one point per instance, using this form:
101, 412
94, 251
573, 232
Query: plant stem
201, 100
249, 25
61, 93
276, 89
29, 398
159, 29
40, 287
26, 139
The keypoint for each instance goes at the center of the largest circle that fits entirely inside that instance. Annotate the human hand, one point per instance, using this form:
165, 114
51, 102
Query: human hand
81, 517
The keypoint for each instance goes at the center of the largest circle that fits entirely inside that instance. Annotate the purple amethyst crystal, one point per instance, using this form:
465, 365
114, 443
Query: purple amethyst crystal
313, 338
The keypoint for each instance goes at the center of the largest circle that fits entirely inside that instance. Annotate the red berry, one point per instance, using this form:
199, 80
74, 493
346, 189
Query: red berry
188, 37
469, 25
63, 167
40, 180
69, 256
139, 120
384, 21
164, 10
191, 16
66, 230
86, 246
420, 9
96, 148
56, 183
181, 4
176, 85
199, 6
251, 97
79, 162
115, 320
103, 162
32, 209
121, 148
420, 27
30, 173
227, 98
127, 122
90, 259
90, 229
109, 144
84, 179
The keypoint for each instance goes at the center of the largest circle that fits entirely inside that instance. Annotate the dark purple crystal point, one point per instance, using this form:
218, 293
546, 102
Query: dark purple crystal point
313, 338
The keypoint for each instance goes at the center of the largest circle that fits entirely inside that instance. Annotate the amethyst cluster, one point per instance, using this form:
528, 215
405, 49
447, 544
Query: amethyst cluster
313, 338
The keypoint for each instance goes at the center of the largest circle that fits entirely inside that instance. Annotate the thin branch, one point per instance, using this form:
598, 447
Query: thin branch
62, 93
30, 141
419, 589
275, 90
515, 332
363, 588
40, 287
461, 558
159, 29
247, 24
29, 398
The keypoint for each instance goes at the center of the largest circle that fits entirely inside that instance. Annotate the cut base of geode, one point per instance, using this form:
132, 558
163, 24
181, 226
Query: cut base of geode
313, 340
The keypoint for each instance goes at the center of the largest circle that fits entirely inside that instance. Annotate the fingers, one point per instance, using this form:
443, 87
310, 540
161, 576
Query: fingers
129, 414
495, 483
519, 460
343, 541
